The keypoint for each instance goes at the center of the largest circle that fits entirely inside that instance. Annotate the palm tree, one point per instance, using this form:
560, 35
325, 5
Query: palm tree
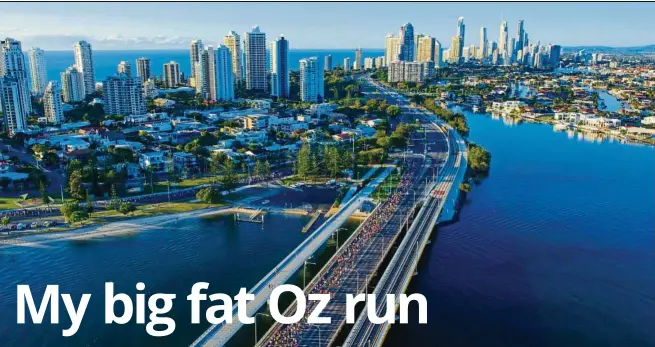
335, 92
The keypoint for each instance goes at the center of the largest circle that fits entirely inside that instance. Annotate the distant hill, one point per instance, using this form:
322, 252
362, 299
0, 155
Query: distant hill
607, 49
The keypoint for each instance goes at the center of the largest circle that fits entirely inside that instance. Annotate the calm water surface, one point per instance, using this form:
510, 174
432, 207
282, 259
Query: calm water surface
168, 260
555, 248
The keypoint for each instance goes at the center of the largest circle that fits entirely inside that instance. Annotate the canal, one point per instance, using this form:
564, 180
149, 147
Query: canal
555, 248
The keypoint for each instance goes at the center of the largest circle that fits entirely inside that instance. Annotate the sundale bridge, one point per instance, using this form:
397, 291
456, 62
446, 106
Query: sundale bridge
427, 194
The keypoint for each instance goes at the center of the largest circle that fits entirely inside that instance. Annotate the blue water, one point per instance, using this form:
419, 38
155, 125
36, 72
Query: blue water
105, 62
168, 259
555, 248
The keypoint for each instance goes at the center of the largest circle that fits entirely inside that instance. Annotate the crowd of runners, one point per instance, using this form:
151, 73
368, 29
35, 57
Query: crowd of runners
289, 335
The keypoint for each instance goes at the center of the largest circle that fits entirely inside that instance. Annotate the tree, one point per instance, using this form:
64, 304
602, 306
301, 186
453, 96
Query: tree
259, 169
68, 208
126, 207
75, 185
44, 194
304, 161
208, 195
229, 178
89, 202
78, 216
267, 169
393, 111
114, 203
5, 220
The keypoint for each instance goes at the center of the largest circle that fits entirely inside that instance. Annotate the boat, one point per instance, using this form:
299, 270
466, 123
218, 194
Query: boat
476, 109
265, 202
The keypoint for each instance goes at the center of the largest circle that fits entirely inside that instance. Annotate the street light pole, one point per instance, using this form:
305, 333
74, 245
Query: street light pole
256, 314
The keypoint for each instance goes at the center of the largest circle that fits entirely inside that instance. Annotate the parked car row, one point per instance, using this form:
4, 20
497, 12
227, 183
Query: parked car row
33, 225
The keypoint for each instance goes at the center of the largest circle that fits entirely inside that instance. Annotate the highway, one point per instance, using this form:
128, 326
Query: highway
428, 148
403, 265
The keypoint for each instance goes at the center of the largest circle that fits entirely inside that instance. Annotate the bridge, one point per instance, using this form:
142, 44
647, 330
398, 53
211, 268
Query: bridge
219, 334
355, 264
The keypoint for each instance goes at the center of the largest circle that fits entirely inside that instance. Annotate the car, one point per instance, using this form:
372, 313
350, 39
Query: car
34, 225
20, 226
13, 227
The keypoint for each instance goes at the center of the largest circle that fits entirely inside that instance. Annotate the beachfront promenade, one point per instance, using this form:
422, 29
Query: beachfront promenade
218, 335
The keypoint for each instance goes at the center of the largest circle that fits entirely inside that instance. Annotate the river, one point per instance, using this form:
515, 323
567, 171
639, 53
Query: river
555, 248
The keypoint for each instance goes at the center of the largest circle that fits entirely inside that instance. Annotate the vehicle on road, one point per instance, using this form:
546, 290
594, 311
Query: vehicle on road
20, 226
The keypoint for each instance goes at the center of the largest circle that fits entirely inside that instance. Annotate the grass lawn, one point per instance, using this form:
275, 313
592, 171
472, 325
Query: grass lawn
148, 211
9, 203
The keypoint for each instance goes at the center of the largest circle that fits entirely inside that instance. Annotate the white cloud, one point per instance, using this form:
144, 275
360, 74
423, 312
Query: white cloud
115, 41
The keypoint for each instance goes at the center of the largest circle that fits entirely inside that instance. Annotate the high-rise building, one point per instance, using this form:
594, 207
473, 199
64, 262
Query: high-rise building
553, 55
391, 48
233, 42
255, 48
406, 71
195, 48
520, 34
483, 43
202, 73
379, 62
461, 32
311, 80
37, 70
438, 54
223, 73
346, 64
369, 63
358, 59
52, 106
72, 85
172, 74
125, 67
84, 63
503, 42
406, 49
13, 66
456, 50
280, 68
512, 50
425, 49
123, 95
327, 65
143, 68
11, 97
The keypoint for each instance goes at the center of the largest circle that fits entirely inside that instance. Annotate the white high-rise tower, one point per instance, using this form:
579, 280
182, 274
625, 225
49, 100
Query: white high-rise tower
311, 80
14, 86
233, 42
255, 49
37, 70
52, 105
483, 43
84, 64
224, 76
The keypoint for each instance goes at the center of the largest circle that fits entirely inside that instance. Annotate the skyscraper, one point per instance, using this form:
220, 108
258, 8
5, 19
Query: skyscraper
425, 49
172, 74
512, 50
391, 48
84, 63
233, 42
211, 73
406, 49
519, 37
346, 64
358, 59
280, 67
143, 68
503, 42
123, 95
37, 70
483, 43
13, 106
311, 80
202, 74
461, 31
195, 49
52, 106
456, 50
255, 49
553, 55
438, 54
223, 73
125, 67
328, 62
72, 84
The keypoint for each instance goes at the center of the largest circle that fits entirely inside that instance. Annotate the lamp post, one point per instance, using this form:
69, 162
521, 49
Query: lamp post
256, 314
337, 236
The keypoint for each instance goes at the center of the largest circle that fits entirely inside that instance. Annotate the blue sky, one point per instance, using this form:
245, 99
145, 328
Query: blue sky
318, 25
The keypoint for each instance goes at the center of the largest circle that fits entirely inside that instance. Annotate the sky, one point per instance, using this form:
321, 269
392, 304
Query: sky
56, 26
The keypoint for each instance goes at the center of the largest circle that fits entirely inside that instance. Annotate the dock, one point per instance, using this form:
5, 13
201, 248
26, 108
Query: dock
311, 221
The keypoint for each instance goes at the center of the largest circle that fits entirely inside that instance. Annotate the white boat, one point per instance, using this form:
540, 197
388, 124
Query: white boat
265, 202
476, 109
